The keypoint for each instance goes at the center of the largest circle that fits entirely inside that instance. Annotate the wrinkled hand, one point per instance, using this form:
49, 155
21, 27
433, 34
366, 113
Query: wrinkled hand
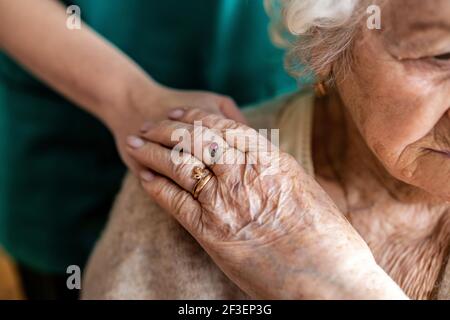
266, 223
154, 103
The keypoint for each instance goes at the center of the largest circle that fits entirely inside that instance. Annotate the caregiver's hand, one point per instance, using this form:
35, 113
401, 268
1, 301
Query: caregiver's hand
105, 82
265, 223
153, 104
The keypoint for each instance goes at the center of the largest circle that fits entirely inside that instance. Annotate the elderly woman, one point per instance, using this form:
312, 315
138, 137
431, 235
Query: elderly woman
359, 209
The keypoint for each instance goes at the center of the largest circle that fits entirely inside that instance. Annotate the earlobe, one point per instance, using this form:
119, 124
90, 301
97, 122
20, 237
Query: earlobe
320, 89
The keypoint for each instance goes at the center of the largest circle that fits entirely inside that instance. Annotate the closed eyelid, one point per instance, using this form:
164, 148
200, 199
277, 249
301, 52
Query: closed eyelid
418, 44
445, 56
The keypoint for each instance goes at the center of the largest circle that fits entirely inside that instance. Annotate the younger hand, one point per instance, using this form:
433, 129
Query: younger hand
154, 105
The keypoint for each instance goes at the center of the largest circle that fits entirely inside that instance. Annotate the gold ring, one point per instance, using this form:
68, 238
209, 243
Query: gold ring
202, 176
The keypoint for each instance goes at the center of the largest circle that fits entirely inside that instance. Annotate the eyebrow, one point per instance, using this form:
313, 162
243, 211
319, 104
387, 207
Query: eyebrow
431, 25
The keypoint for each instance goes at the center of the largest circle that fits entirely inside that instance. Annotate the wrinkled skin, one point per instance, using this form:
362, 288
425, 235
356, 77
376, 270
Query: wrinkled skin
386, 168
251, 218
398, 93
391, 116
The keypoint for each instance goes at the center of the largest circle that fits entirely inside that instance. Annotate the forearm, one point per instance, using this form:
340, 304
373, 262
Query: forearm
79, 64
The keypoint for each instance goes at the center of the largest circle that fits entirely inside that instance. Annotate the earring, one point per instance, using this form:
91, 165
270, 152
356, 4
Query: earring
320, 89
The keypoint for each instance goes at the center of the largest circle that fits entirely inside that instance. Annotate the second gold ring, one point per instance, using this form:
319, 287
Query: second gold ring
203, 176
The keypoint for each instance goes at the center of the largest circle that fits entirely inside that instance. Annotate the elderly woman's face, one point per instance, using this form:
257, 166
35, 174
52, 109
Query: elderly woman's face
399, 92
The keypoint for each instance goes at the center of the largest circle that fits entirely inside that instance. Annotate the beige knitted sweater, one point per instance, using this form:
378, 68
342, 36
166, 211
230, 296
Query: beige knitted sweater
145, 254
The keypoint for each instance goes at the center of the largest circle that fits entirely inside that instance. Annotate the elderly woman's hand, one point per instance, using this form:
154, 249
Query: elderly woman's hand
266, 223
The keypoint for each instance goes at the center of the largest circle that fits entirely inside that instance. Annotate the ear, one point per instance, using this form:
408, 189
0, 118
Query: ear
323, 72
324, 80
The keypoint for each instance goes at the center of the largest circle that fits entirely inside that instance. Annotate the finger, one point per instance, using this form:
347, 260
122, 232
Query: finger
170, 133
132, 164
209, 119
230, 110
178, 166
205, 144
169, 196
237, 135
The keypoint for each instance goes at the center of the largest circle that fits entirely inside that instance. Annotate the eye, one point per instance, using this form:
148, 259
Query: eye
445, 56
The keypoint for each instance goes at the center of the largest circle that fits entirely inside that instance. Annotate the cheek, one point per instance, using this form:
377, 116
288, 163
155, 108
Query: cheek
392, 106
398, 115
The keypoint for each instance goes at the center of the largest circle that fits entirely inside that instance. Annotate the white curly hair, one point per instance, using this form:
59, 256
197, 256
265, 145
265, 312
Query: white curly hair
317, 33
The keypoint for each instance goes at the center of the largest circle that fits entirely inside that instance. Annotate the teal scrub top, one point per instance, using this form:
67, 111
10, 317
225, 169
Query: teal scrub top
60, 170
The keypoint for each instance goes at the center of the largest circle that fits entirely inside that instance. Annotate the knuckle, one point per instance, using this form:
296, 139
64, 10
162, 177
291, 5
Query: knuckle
228, 124
160, 128
147, 153
211, 118
193, 113
191, 130
289, 158
251, 132
158, 192
181, 169
207, 133
165, 123
179, 200
204, 130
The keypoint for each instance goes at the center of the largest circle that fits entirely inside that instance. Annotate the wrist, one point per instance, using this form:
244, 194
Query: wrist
128, 98
304, 272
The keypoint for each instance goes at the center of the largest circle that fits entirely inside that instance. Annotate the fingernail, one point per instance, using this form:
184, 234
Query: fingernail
176, 113
146, 126
135, 142
147, 176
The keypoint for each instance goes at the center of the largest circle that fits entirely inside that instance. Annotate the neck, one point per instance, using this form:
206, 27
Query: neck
341, 155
